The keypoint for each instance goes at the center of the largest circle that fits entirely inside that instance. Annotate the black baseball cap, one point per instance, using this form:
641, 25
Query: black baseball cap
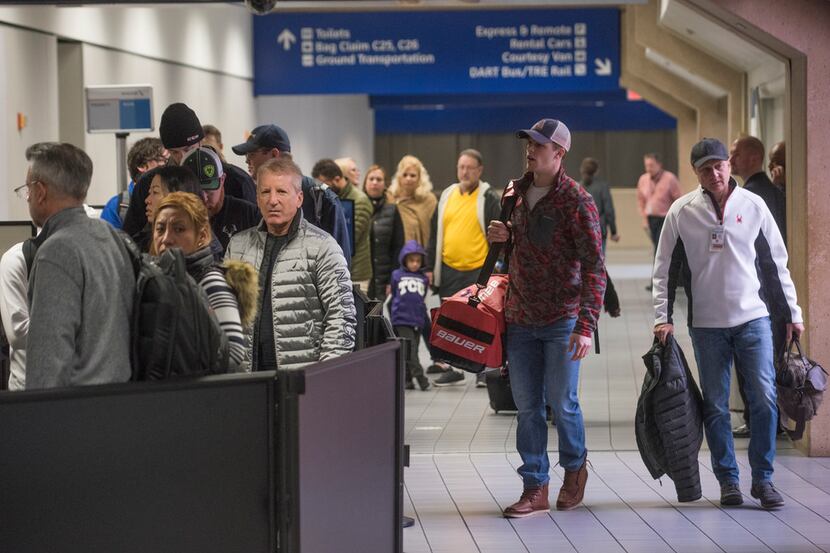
546, 131
708, 149
264, 136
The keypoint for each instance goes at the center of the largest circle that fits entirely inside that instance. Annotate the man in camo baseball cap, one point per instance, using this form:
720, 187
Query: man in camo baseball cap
206, 165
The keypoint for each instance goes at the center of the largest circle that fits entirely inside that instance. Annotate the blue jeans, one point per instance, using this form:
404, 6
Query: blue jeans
541, 371
751, 344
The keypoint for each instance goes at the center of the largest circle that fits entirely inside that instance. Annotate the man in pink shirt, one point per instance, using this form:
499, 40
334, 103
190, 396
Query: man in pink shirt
656, 190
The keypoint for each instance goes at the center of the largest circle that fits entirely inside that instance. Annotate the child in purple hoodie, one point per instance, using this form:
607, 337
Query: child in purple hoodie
409, 311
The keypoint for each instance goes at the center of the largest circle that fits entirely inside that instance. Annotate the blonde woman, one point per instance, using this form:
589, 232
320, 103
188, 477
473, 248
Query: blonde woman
412, 190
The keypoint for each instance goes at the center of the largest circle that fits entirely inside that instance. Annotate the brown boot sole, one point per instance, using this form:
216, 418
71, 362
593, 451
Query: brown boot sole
525, 515
564, 507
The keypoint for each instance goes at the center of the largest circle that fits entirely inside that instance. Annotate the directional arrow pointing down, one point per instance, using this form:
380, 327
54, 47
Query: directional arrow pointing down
286, 38
603, 66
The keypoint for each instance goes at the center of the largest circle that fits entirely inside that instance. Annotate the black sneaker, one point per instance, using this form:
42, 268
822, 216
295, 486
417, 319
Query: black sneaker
423, 382
450, 378
741, 431
409, 385
436, 369
480, 380
730, 495
766, 493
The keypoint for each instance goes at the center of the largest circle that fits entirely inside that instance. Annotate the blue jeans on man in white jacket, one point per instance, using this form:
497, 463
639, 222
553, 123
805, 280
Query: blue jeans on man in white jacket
715, 349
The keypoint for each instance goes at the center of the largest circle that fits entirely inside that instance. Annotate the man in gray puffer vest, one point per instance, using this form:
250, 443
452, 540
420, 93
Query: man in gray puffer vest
307, 311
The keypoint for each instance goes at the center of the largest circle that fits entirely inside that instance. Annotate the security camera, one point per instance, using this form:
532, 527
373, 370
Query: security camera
261, 7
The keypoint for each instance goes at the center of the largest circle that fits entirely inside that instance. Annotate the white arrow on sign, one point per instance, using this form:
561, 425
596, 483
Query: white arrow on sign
603, 66
287, 38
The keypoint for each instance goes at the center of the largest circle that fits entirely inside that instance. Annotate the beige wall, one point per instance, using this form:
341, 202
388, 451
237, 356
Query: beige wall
200, 57
629, 223
799, 30
28, 85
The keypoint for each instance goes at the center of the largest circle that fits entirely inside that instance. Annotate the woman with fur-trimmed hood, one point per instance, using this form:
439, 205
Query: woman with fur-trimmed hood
181, 221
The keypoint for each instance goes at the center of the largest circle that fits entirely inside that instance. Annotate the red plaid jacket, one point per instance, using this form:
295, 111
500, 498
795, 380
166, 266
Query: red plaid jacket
556, 264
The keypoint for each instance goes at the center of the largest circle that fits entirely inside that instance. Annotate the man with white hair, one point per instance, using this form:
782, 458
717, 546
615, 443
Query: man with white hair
307, 312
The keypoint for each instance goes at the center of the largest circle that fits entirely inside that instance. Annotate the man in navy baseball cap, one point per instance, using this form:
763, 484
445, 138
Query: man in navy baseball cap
321, 207
264, 142
708, 149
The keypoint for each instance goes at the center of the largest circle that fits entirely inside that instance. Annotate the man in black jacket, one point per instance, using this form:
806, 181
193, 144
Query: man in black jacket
321, 207
746, 158
228, 215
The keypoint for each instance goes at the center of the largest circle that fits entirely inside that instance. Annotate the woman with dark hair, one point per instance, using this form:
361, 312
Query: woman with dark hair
163, 181
166, 180
169, 179
181, 221
386, 233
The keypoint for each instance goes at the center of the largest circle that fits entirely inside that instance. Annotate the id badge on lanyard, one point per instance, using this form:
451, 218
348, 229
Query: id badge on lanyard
717, 239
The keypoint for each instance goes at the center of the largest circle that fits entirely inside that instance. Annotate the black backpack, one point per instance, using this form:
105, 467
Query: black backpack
174, 332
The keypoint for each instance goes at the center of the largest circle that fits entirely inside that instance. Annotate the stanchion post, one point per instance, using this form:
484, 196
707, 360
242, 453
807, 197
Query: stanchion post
121, 157
403, 451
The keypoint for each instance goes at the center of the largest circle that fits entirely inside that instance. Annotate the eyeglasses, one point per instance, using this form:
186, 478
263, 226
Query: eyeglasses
22, 191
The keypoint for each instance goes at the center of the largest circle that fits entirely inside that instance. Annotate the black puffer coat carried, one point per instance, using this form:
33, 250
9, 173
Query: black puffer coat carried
669, 422
387, 238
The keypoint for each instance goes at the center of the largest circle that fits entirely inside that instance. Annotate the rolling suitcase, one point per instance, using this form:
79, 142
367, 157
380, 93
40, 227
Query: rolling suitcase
498, 388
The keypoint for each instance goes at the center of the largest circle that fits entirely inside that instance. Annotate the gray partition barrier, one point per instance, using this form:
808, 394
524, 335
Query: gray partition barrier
344, 477
200, 465
181, 466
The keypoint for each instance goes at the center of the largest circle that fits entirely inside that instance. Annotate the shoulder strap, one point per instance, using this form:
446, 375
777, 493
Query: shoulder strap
29, 250
123, 204
319, 191
133, 251
495, 249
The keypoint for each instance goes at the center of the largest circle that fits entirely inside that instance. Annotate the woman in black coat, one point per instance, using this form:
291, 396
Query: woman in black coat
387, 235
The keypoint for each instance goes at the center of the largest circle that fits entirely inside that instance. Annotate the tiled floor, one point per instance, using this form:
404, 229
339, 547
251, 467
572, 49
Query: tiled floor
463, 462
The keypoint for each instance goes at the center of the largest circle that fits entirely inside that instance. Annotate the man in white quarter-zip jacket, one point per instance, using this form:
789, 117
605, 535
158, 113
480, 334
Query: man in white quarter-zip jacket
726, 242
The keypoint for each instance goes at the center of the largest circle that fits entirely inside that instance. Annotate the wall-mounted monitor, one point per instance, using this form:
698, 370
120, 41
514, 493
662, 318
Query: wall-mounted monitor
119, 108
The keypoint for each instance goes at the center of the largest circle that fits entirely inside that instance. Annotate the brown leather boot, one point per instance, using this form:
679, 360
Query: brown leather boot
573, 489
533, 501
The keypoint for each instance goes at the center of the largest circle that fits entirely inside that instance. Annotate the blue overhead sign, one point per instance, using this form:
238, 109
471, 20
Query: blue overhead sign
437, 52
